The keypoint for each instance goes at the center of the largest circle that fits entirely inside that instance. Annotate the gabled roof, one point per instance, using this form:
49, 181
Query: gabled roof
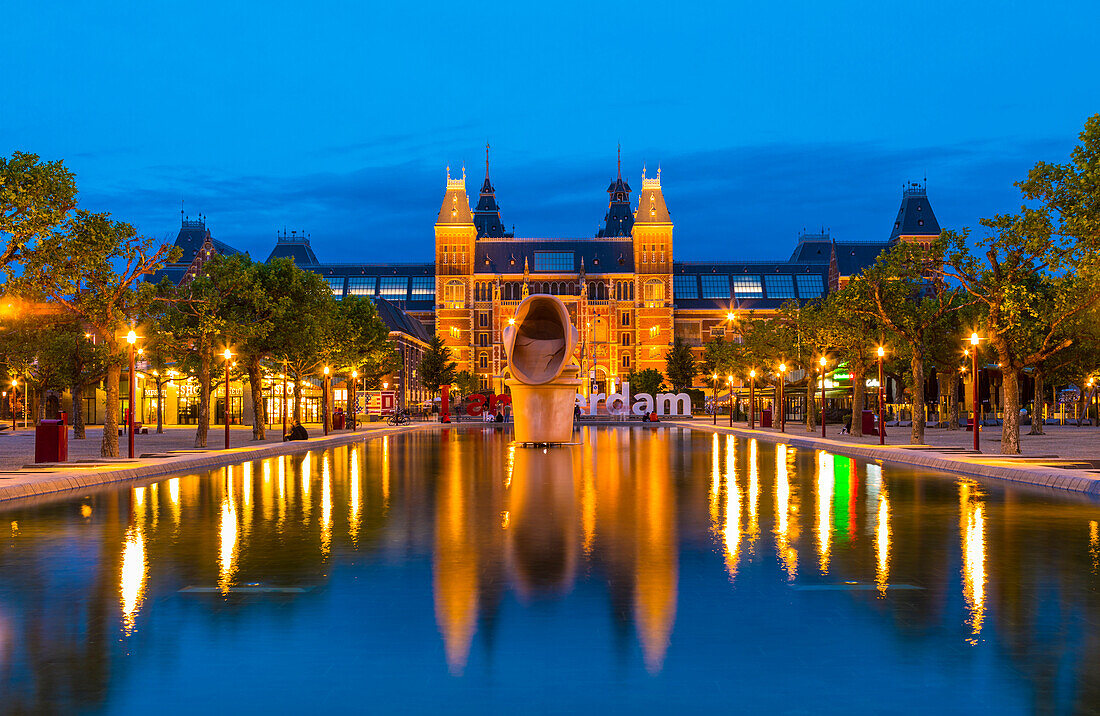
294, 247
854, 256
651, 202
812, 247
192, 236
619, 219
397, 320
915, 217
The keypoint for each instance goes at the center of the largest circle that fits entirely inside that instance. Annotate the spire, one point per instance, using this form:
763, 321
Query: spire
456, 207
487, 213
619, 220
651, 202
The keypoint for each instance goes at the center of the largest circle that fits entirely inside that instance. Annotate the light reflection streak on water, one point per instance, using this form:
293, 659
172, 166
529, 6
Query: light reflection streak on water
787, 554
307, 505
754, 496
353, 509
133, 570
715, 485
732, 532
824, 508
972, 532
882, 543
227, 549
326, 507
1094, 545
588, 507
385, 474
174, 499
154, 503
282, 493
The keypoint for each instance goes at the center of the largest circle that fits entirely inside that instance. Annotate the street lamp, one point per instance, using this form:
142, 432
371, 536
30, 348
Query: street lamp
714, 399
228, 355
730, 382
823, 396
752, 399
974, 381
881, 399
284, 398
324, 401
782, 412
14, 385
354, 375
131, 338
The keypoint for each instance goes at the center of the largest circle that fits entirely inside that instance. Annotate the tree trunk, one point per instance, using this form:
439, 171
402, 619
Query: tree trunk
953, 402
916, 435
160, 405
1010, 428
857, 400
298, 396
108, 447
810, 391
1037, 406
204, 398
1080, 403
77, 391
255, 381
41, 411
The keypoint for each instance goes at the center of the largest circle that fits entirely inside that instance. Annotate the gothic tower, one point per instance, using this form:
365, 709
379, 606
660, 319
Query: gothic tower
652, 238
455, 234
915, 223
619, 220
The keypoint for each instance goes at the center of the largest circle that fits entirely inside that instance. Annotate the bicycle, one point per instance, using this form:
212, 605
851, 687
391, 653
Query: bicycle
399, 418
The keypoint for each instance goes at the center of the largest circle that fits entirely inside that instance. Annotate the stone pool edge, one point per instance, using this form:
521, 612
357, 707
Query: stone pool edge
50, 483
1043, 476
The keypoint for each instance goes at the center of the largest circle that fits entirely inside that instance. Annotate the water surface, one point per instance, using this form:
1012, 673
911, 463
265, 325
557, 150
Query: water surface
644, 570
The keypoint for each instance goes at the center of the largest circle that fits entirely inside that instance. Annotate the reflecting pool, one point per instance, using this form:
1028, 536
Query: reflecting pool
643, 570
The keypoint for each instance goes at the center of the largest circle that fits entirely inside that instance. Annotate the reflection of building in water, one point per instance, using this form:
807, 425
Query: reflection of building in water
824, 508
656, 566
786, 510
542, 541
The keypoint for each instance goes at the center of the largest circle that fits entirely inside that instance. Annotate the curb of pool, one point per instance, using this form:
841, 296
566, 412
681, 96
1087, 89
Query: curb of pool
75, 479
1045, 476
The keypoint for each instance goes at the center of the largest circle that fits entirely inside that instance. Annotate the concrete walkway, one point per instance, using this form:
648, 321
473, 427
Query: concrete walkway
1067, 457
155, 455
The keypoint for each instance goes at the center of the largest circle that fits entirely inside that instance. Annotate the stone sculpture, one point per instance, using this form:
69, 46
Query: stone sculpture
539, 344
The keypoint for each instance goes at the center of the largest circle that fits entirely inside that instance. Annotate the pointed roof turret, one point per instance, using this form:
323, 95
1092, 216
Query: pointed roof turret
619, 220
651, 202
456, 207
915, 217
487, 213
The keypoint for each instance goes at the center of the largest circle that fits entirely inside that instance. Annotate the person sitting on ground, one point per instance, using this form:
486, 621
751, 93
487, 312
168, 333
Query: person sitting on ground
653, 417
296, 433
500, 417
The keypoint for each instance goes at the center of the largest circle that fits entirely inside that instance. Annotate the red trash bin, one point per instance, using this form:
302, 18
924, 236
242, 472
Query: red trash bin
51, 441
766, 418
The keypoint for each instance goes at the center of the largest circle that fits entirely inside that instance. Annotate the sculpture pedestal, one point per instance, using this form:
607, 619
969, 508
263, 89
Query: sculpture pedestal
544, 413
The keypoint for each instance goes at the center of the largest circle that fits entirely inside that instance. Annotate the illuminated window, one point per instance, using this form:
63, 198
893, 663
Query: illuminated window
454, 294
715, 285
654, 291
779, 285
336, 285
685, 286
361, 285
553, 261
654, 330
393, 287
454, 331
423, 287
747, 287
810, 285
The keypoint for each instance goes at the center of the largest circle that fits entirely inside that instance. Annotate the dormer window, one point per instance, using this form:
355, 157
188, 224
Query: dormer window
920, 222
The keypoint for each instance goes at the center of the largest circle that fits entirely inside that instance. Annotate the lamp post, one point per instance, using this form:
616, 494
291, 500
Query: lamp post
729, 382
354, 375
284, 397
881, 399
752, 399
714, 399
822, 396
324, 401
779, 407
131, 338
974, 379
228, 355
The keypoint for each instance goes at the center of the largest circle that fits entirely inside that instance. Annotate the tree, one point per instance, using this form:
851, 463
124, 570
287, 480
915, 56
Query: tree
680, 365
35, 201
92, 269
718, 358
899, 292
847, 333
465, 383
648, 381
436, 366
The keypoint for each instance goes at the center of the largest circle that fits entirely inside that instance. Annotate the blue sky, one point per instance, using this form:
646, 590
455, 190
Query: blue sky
339, 118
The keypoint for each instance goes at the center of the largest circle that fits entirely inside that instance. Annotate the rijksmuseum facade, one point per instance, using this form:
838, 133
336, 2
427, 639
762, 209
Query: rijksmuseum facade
628, 295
